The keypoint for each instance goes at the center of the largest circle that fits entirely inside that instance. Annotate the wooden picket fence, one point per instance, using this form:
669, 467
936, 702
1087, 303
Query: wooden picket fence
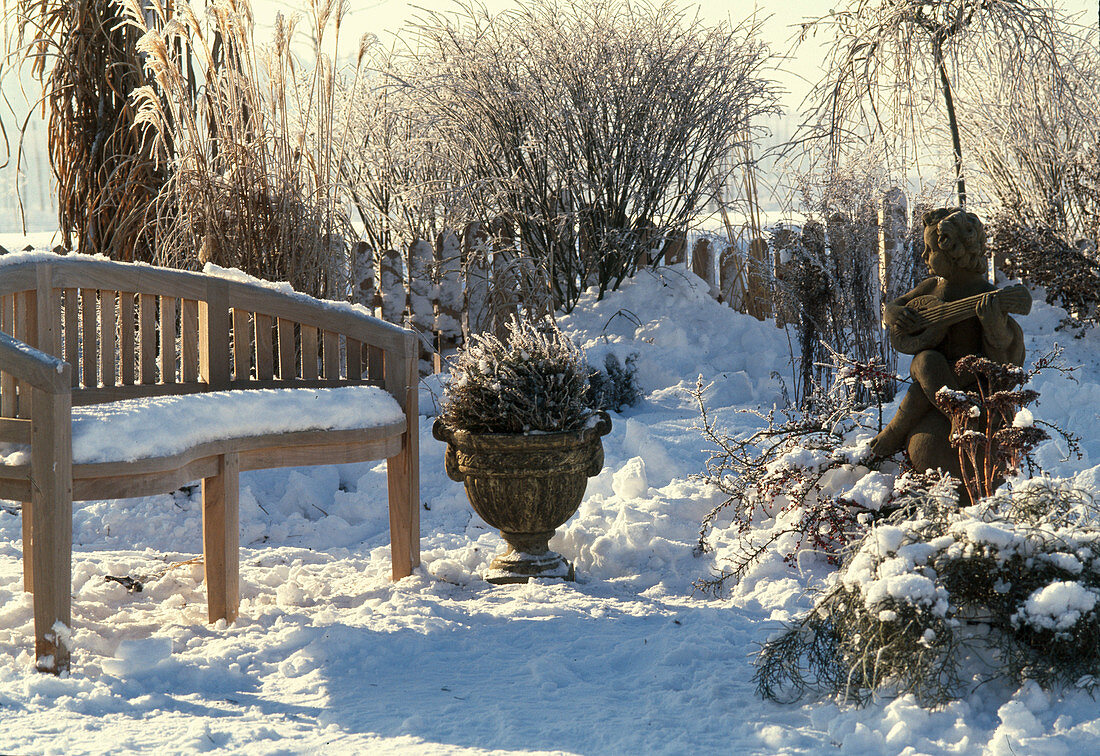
467, 282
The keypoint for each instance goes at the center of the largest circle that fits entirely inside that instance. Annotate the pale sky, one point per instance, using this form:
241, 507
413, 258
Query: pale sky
780, 23
780, 20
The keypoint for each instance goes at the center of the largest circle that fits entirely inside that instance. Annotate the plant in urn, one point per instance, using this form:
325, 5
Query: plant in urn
523, 438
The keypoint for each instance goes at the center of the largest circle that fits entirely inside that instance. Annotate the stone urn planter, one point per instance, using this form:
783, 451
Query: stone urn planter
526, 485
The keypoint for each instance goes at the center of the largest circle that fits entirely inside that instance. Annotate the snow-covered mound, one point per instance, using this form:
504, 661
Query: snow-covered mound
329, 656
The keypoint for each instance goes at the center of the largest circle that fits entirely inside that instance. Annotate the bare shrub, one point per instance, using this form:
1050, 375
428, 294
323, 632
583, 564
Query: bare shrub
829, 279
1036, 141
786, 486
1041, 256
593, 127
885, 52
400, 170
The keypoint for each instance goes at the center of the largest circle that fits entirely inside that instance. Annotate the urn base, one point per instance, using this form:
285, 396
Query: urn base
519, 567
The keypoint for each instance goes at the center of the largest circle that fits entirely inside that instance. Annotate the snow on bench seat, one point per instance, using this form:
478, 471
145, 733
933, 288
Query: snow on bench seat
163, 426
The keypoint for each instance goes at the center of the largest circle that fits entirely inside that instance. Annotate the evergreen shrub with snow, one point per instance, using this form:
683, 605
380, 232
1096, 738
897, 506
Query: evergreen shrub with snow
535, 379
616, 385
934, 599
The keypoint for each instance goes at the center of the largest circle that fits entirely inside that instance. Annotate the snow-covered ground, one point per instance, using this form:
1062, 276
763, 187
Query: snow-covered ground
329, 656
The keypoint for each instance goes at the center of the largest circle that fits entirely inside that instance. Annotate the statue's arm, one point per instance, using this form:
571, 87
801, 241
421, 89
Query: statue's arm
1002, 337
1007, 350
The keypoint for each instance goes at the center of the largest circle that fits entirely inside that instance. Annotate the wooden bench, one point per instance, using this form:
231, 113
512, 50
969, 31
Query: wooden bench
77, 331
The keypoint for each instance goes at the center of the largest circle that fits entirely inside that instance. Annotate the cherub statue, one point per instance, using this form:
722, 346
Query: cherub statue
954, 313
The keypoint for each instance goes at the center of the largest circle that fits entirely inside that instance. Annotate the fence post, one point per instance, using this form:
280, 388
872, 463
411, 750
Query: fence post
702, 262
475, 256
731, 279
391, 282
675, 248
893, 224
422, 292
759, 305
587, 252
506, 281
448, 312
647, 239
362, 276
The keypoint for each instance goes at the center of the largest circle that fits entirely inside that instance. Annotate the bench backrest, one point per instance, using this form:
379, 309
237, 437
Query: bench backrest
132, 330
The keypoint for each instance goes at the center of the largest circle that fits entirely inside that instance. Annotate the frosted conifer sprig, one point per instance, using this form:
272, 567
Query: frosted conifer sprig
534, 380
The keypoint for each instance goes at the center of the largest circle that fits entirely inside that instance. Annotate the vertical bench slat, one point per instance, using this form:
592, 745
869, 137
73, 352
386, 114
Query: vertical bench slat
265, 367
147, 338
287, 362
7, 380
72, 331
26, 330
375, 363
354, 351
309, 352
51, 457
127, 326
242, 345
189, 340
167, 339
47, 316
51, 525
88, 338
214, 320
331, 346
27, 525
107, 337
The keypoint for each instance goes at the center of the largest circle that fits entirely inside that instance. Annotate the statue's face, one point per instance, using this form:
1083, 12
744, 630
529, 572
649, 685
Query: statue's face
939, 262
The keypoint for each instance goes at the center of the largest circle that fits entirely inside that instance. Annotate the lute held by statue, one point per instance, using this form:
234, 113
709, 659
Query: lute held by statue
937, 316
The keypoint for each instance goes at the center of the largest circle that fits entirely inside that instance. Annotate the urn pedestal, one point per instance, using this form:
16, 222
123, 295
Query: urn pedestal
526, 486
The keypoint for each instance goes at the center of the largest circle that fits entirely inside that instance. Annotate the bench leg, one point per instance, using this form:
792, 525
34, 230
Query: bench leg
403, 478
52, 579
28, 548
51, 528
221, 539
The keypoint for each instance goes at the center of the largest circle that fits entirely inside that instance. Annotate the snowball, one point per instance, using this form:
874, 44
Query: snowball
631, 482
872, 490
888, 538
1067, 562
1023, 419
987, 533
1057, 606
908, 589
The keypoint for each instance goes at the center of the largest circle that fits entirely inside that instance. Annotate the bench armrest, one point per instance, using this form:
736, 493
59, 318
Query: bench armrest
42, 371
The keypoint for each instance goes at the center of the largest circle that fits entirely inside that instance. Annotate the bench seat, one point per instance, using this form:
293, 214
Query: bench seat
155, 443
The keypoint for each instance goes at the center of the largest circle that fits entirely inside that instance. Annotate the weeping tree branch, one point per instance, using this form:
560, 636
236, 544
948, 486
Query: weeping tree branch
885, 53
